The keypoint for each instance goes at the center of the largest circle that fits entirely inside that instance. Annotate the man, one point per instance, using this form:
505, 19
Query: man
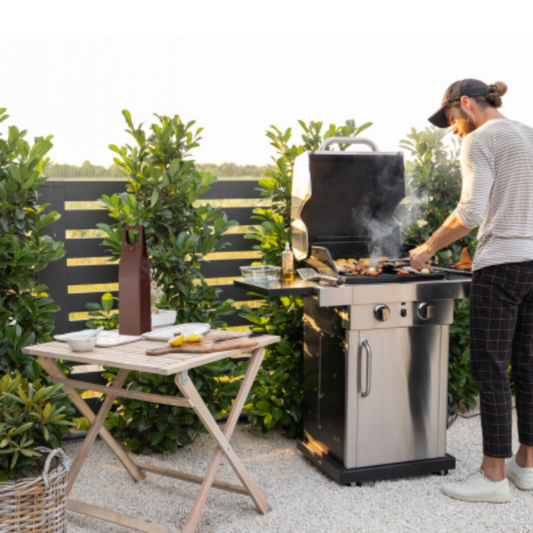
497, 196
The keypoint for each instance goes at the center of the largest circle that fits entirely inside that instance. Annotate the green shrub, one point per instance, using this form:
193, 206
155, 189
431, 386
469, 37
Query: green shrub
102, 314
25, 309
277, 394
31, 415
163, 186
434, 189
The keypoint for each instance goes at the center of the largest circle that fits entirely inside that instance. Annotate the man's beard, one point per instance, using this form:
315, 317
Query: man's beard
465, 124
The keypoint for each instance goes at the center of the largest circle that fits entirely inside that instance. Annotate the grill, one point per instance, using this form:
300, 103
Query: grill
376, 348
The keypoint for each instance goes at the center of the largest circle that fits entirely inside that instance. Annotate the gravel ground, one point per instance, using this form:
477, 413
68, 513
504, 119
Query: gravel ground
303, 498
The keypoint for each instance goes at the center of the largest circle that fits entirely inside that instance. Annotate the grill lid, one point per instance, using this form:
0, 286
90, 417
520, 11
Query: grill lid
345, 202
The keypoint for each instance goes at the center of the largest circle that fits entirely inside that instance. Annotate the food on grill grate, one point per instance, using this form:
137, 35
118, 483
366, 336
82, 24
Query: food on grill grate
352, 267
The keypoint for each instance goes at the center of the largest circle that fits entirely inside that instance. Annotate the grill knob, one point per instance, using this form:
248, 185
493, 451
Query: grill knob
381, 312
425, 311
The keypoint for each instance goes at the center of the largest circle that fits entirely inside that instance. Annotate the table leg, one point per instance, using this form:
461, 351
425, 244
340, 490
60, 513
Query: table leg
54, 371
95, 427
222, 438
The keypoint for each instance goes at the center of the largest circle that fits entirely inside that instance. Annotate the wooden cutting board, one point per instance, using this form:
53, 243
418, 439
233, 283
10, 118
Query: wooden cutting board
206, 345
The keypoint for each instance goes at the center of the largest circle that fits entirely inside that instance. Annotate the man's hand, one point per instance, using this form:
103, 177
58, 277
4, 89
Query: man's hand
451, 231
419, 257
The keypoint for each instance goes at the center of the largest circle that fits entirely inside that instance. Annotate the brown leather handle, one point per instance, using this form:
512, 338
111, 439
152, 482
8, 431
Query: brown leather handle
142, 235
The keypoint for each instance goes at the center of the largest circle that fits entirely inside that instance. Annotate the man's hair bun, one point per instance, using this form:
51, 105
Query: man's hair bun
500, 88
495, 92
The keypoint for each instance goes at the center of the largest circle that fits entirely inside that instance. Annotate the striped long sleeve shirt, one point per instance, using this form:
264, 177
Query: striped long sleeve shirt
497, 192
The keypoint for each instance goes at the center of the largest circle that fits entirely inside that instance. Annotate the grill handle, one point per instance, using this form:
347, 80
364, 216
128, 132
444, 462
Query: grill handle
364, 344
348, 140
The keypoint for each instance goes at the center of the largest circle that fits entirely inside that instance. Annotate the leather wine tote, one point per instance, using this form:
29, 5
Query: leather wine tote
134, 285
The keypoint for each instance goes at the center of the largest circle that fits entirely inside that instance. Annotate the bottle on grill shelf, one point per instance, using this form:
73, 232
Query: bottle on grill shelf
287, 263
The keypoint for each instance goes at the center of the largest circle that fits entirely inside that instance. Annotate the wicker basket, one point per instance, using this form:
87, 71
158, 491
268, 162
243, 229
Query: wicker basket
36, 505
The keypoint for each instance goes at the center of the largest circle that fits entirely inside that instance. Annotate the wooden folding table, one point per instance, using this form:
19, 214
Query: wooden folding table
132, 357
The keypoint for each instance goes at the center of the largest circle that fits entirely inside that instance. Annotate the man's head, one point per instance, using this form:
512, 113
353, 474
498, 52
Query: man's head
466, 103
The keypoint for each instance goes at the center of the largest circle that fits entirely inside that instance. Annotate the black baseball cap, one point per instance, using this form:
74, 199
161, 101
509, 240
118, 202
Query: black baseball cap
453, 93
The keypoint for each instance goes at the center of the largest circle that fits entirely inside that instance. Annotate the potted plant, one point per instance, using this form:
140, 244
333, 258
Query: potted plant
32, 488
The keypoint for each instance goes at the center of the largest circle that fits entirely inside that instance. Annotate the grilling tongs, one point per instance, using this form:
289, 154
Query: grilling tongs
401, 262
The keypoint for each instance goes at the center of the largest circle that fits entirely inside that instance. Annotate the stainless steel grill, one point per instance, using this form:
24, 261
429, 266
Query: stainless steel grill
376, 353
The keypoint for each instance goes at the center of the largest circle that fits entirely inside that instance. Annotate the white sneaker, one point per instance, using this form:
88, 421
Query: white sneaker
521, 477
475, 488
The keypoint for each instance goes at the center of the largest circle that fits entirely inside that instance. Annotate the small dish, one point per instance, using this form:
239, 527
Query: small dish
81, 344
165, 317
261, 273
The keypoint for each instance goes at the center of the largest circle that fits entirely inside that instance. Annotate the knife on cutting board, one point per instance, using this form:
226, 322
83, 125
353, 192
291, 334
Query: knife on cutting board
211, 344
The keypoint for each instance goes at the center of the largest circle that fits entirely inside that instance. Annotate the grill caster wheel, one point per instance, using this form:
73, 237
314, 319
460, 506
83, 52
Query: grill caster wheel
441, 473
364, 484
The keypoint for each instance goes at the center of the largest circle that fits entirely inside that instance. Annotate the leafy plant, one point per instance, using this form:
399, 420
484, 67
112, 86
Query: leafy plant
31, 415
102, 313
162, 194
25, 309
277, 394
461, 386
434, 189
158, 427
163, 186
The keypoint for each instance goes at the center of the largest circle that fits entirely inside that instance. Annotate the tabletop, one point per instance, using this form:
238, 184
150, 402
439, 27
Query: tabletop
132, 356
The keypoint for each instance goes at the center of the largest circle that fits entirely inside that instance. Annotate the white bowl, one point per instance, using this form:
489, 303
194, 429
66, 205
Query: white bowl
81, 344
165, 317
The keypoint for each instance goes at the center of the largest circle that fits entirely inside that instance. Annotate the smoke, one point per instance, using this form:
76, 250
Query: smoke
374, 219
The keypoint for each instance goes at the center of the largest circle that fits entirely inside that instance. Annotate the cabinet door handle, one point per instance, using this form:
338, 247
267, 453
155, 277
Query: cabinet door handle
364, 344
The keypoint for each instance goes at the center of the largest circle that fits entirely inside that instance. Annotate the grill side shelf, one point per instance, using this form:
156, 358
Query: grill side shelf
278, 288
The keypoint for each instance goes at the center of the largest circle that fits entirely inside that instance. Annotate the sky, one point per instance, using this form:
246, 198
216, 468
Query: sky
69, 68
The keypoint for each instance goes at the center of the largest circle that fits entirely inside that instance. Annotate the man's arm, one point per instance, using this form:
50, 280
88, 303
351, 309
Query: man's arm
452, 230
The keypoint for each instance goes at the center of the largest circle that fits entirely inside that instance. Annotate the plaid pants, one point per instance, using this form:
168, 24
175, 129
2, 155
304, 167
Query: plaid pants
501, 332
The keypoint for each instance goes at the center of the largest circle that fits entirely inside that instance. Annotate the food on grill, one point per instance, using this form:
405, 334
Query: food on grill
352, 267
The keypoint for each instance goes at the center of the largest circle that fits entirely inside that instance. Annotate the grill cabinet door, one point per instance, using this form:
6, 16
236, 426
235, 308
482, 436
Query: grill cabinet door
398, 420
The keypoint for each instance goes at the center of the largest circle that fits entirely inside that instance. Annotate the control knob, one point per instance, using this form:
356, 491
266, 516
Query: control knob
381, 312
425, 311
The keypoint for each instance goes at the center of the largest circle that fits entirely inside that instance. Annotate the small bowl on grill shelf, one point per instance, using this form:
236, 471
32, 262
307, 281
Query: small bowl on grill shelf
261, 273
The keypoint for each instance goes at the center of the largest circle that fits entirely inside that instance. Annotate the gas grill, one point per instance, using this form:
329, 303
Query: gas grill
375, 349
